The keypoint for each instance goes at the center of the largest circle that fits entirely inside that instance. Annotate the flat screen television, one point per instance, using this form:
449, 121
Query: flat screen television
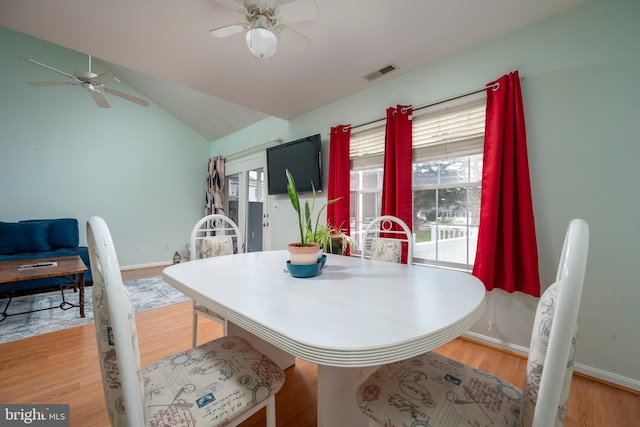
303, 158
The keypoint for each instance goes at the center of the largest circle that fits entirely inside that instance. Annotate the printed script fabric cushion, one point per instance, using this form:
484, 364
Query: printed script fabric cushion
209, 385
205, 386
17, 237
388, 250
436, 391
432, 390
216, 246
107, 351
537, 354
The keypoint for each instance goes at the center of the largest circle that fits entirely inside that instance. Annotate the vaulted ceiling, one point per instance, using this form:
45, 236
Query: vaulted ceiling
164, 50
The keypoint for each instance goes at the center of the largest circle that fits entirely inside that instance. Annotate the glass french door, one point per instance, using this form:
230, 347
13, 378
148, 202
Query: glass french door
247, 201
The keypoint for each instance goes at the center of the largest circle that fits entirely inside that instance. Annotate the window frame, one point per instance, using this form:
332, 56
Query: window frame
370, 156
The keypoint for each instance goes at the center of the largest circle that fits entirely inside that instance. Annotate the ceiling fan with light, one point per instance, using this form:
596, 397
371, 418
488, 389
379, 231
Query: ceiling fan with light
91, 82
267, 22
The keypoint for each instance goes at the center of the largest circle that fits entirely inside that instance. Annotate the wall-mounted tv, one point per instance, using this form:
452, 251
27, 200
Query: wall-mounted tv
303, 158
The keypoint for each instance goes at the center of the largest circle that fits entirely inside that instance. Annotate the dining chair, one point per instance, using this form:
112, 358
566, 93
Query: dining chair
384, 238
213, 235
434, 390
220, 383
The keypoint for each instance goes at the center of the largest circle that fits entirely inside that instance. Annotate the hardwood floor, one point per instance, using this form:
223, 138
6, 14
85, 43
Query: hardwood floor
62, 367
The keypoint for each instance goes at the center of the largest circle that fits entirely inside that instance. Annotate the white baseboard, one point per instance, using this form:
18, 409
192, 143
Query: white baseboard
139, 266
494, 342
606, 376
609, 377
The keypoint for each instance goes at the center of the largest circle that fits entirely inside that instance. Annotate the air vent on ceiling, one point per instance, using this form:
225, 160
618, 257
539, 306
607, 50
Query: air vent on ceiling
381, 72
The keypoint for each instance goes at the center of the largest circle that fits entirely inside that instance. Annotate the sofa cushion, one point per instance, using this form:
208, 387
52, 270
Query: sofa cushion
62, 232
18, 237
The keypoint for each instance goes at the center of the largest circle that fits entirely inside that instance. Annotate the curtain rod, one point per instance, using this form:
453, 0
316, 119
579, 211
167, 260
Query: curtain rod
277, 139
453, 98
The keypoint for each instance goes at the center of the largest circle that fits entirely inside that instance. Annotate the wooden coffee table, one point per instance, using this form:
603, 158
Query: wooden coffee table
71, 266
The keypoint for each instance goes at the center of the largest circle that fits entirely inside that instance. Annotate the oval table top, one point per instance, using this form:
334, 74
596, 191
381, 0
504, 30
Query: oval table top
355, 312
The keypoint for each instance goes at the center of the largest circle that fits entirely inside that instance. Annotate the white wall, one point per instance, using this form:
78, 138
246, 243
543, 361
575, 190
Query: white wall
582, 100
62, 156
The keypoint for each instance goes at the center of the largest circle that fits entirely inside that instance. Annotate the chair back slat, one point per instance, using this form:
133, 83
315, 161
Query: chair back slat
385, 238
212, 233
115, 331
555, 329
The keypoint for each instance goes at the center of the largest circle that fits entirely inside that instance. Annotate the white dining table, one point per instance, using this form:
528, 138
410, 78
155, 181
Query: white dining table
350, 318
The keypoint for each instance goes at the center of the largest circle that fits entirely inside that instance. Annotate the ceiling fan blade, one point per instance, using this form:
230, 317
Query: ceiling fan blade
235, 5
51, 83
127, 96
297, 11
228, 30
98, 98
49, 68
297, 41
104, 78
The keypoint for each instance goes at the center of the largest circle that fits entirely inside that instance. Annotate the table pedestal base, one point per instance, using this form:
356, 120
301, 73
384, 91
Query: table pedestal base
336, 386
337, 396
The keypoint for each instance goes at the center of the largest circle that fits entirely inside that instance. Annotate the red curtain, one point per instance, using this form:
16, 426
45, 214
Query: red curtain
339, 177
507, 254
397, 196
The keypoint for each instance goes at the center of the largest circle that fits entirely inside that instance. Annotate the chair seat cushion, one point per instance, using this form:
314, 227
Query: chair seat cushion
208, 385
432, 390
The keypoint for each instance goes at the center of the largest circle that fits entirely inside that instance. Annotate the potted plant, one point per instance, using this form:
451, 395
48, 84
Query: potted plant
307, 250
333, 240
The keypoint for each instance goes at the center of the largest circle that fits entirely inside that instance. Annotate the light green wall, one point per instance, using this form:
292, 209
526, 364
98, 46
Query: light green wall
244, 140
582, 104
139, 168
62, 156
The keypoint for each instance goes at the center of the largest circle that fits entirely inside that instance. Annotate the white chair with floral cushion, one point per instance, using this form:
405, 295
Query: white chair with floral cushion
433, 390
213, 235
383, 240
220, 383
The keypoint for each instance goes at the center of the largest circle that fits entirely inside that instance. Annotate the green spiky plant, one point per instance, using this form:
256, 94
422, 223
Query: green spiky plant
308, 231
333, 240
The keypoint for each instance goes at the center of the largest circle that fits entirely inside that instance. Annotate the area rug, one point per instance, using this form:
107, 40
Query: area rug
144, 294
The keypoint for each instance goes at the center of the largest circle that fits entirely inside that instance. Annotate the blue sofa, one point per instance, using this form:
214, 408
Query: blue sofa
40, 238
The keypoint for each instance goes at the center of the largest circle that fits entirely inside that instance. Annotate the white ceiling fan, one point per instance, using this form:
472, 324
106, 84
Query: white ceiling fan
91, 82
267, 22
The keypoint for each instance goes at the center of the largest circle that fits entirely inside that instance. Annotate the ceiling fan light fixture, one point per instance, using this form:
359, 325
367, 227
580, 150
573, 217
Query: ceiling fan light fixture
261, 42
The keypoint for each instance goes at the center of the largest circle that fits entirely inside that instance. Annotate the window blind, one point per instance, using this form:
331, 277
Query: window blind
451, 127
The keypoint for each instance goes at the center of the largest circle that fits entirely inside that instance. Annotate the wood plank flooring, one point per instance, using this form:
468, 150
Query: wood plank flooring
62, 367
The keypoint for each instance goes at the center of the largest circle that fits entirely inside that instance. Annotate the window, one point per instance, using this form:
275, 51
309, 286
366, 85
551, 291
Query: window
447, 174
